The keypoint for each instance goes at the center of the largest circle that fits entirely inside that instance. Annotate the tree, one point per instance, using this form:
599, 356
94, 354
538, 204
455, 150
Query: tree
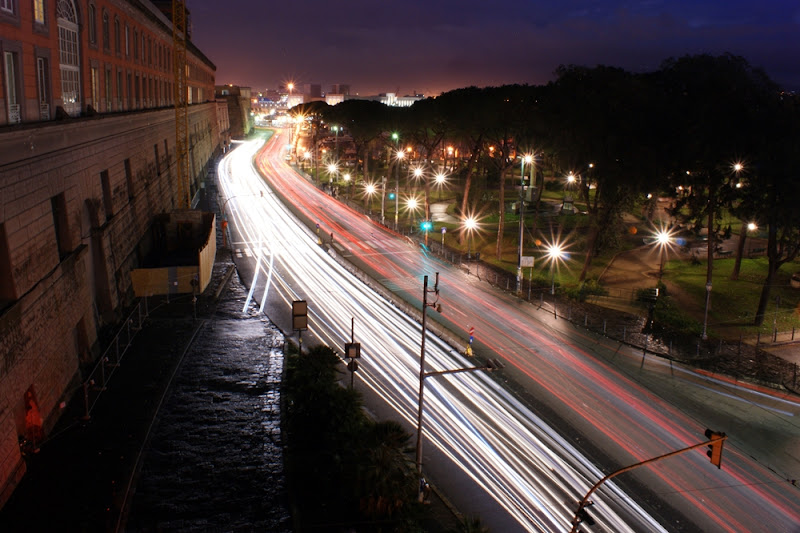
597, 118
386, 480
778, 188
717, 104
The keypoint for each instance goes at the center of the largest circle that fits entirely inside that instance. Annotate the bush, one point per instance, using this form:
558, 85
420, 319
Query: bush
342, 467
588, 288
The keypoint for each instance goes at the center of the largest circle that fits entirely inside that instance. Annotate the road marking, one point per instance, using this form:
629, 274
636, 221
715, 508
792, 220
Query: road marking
735, 397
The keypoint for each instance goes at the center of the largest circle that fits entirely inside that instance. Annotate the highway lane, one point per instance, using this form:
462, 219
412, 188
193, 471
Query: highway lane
609, 402
519, 474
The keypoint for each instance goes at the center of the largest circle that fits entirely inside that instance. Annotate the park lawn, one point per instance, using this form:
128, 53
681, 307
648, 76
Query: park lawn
736, 302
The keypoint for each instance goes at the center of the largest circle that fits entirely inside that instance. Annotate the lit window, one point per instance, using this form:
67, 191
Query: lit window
68, 56
38, 11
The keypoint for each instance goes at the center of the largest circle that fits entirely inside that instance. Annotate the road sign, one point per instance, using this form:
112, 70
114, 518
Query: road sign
444, 230
526, 261
299, 315
471, 330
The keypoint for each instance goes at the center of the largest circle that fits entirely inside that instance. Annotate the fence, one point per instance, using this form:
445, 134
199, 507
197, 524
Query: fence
97, 380
610, 315
618, 315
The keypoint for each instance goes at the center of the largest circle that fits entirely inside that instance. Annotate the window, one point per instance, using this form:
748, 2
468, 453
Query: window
38, 11
143, 40
92, 25
117, 36
127, 41
119, 90
95, 87
8, 6
106, 32
12, 77
135, 44
108, 89
43, 87
68, 56
58, 206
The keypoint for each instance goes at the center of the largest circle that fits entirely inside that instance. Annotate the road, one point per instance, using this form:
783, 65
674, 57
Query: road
609, 407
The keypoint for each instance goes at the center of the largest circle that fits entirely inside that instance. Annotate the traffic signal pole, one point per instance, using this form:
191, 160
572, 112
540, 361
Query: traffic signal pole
715, 453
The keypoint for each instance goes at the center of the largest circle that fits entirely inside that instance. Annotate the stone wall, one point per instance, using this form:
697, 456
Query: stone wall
76, 198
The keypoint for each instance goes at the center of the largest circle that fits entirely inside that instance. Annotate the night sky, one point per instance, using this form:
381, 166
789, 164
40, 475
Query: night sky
437, 45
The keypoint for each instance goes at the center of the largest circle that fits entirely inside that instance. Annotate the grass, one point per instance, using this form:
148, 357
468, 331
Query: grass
734, 303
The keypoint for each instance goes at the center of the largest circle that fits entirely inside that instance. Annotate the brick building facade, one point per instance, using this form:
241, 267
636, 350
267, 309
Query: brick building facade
87, 159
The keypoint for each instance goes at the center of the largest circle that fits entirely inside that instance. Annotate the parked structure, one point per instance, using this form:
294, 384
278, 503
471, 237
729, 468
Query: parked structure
87, 162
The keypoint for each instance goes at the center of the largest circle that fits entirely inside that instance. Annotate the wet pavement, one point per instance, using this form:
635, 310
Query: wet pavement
215, 461
186, 438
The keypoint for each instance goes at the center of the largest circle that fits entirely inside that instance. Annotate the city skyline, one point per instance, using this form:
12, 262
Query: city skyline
435, 47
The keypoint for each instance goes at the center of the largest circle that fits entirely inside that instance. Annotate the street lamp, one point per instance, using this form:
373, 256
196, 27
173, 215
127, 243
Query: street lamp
369, 191
554, 254
332, 171
527, 158
470, 224
705, 313
663, 239
399, 155
440, 180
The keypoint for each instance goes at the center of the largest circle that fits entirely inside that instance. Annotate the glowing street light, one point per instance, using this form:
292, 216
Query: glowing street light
555, 253
412, 204
752, 226
399, 155
440, 180
663, 239
369, 191
470, 225
527, 158
333, 169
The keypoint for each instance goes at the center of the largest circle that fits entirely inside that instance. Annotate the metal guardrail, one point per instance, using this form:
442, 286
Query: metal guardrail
97, 380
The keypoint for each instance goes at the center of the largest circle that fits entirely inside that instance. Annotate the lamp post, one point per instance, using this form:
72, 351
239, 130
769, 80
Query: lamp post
400, 156
470, 224
411, 206
705, 314
440, 179
490, 366
554, 254
369, 190
525, 159
336, 139
663, 240
425, 305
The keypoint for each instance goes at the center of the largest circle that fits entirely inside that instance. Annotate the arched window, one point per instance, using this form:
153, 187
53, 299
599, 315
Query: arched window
68, 52
92, 25
106, 32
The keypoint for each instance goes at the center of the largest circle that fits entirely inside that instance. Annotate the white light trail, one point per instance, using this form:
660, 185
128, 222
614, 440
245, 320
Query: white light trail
522, 464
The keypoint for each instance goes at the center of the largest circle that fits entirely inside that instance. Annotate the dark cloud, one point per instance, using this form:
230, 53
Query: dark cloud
438, 45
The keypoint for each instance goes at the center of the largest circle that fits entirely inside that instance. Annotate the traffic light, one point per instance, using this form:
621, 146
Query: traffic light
392, 196
426, 225
715, 448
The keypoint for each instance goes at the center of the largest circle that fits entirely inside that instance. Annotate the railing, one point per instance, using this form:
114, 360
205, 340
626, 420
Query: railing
621, 315
97, 380
744, 357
